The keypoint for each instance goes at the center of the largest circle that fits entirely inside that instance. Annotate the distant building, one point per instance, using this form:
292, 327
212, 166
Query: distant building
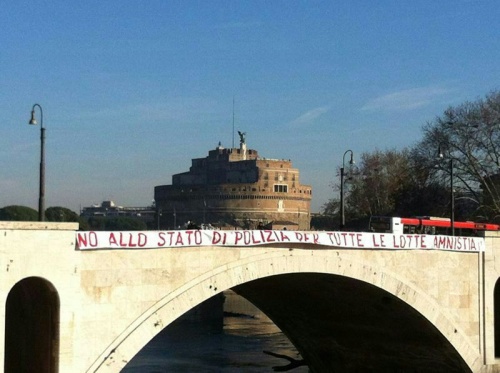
235, 188
108, 209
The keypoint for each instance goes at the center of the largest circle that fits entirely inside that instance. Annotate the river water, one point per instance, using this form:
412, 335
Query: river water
236, 346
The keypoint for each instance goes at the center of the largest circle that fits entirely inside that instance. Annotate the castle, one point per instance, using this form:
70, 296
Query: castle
236, 189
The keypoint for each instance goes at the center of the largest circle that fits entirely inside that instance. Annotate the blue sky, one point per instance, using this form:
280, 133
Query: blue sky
132, 90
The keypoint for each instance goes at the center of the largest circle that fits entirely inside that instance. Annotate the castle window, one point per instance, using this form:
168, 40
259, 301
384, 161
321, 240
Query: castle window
279, 188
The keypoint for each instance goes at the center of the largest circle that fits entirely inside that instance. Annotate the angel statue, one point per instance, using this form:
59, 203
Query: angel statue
242, 137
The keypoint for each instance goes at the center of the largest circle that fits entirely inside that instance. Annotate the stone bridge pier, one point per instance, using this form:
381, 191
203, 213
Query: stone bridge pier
345, 309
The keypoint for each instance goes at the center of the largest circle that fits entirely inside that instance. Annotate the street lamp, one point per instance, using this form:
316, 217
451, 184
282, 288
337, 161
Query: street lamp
41, 199
452, 192
351, 162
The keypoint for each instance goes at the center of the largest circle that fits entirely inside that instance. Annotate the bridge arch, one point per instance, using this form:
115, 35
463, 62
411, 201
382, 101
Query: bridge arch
251, 277
496, 317
32, 327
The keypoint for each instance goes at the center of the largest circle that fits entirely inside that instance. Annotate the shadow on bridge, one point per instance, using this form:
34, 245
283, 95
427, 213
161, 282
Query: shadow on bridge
339, 324
32, 327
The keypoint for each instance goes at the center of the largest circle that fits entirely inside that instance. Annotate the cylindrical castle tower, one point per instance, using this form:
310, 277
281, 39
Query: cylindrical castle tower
235, 188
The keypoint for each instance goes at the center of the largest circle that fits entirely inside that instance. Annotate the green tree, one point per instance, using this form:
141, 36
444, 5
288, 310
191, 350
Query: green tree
18, 213
468, 137
61, 214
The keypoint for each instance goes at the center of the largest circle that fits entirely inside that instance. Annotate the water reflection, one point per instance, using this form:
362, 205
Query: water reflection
193, 345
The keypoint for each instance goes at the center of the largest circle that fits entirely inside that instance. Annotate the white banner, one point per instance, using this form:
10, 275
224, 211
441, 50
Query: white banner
94, 240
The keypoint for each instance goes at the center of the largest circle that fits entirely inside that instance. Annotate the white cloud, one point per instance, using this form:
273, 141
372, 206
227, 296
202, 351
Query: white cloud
408, 99
177, 109
309, 116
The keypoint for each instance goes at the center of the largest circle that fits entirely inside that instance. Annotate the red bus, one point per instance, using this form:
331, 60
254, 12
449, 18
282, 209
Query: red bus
427, 225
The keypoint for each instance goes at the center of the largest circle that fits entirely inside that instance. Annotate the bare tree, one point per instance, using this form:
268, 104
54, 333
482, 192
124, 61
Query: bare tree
468, 137
418, 181
374, 185
392, 183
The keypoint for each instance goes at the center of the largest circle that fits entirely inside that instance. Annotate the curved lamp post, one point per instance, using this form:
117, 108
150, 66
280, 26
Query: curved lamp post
41, 199
452, 192
342, 174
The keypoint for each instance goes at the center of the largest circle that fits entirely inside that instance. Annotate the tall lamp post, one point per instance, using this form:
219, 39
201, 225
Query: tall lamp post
452, 192
342, 175
41, 199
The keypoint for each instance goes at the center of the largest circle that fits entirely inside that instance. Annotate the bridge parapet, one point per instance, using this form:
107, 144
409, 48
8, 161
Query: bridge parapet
113, 301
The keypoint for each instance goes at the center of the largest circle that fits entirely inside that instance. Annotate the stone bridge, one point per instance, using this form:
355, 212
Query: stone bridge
346, 308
